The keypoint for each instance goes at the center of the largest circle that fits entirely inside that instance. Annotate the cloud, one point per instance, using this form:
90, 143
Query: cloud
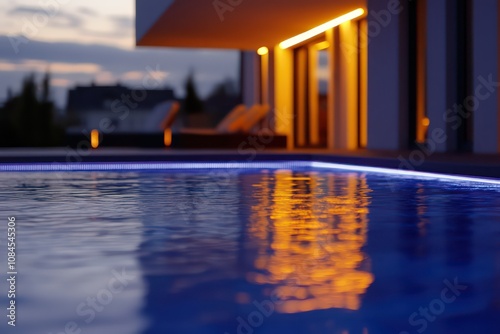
42, 66
119, 26
55, 18
139, 76
82, 64
114, 59
122, 22
58, 23
133, 75
87, 11
59, 82
8, 67
105, 78
22, 10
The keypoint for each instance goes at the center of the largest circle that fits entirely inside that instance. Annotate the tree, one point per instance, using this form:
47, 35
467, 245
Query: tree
192, 104
222, 99
28, 118
46, 88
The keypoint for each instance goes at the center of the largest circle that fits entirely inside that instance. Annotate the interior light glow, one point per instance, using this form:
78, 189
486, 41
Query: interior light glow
321, 28
262, 51
94, 138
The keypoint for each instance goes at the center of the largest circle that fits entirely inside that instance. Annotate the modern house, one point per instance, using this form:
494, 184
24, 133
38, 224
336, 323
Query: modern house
348, 74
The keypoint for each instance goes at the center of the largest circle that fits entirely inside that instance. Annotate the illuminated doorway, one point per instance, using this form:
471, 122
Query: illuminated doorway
312, 69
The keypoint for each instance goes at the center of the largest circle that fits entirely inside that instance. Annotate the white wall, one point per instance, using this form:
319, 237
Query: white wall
387, 96
485, 37
436, 70
251, 77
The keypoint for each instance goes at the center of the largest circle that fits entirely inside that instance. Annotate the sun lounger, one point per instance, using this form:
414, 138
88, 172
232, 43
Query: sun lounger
235, 131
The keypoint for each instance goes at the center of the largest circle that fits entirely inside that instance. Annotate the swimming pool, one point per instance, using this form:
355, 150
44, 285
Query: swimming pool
250, 248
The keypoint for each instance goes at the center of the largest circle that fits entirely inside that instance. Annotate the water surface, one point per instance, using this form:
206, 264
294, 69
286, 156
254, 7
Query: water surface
271, 251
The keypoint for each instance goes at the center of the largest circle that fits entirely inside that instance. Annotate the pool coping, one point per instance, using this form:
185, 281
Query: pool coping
443, 163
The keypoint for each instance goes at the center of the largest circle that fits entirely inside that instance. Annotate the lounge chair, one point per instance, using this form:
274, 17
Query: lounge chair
170, 117
161, 117
234, 131
239, 120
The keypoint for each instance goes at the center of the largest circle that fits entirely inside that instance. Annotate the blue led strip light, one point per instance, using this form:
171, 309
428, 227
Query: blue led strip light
137, 166
145, 166
403, 172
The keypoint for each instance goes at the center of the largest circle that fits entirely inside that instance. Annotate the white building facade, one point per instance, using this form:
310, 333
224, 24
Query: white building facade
350, 74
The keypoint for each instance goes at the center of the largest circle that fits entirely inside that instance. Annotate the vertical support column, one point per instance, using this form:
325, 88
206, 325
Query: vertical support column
339, 122
387, 72
301, 97
421, 71
264, 79
283, 94
436, 74
250, 77
345, 85
313, 114
485, 77
330, 118
363, 84
271, 89
267, 87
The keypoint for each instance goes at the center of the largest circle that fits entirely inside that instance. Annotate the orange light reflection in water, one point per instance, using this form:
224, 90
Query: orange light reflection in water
310, 229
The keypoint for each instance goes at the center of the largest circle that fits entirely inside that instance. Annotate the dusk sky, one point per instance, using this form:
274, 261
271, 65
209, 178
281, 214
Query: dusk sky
81, 41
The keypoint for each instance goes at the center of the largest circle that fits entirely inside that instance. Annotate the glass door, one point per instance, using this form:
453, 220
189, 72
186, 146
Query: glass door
312, 70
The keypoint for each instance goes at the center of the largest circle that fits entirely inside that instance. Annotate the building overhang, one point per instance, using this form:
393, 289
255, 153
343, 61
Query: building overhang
232, 24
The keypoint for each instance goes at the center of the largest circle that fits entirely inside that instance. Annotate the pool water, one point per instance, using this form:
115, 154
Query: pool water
251, 251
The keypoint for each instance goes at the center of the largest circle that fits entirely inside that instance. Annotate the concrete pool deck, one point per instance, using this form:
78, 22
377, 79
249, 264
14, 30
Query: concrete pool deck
419, 160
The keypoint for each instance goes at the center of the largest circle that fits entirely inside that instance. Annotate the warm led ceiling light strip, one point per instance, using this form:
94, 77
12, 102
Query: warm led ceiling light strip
321, 28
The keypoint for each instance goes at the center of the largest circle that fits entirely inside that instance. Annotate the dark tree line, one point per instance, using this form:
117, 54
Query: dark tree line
27, 119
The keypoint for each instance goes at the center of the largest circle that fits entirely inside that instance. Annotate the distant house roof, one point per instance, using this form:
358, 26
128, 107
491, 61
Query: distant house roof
86, 98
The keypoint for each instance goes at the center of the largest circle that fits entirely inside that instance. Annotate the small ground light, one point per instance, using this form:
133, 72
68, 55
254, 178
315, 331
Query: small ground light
94, 138
262, 51
167, 137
